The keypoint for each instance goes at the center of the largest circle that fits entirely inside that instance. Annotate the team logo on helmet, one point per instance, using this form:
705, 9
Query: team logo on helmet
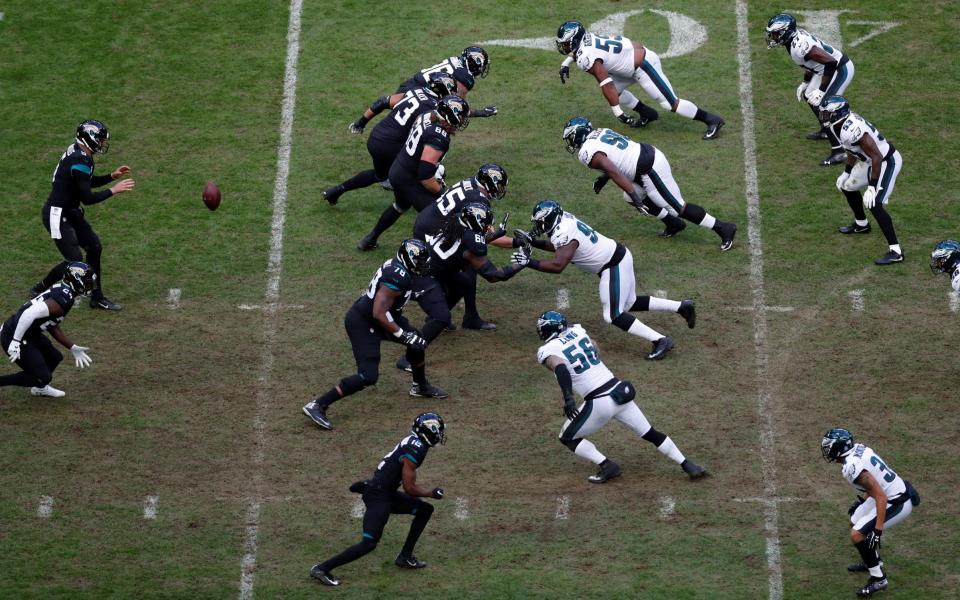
781, 29
569, 36
945, 256
477, 61
415, 256
493, 179
442, 84
836, 443
546, 216
476, 216
429, 427
550, 324
833, 109
575, 132
94, 135
79, 277
454, 111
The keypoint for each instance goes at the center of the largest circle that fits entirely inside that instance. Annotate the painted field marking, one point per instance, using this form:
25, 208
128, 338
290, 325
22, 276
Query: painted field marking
271, 307
461, 512
667, 504
764, 393
780, 309
825, 24
882, 27
248, 564
173, 298
2, 16
150, 505
358, 508
954, 301
856, 300
563, 508
563, 299
660, 293
768, 501
45, 508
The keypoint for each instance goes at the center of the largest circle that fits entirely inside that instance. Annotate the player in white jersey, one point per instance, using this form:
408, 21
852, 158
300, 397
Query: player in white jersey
574, 360
889, 500
872, 166
617, 63
945, 258
643, 173
574, 241
827, 72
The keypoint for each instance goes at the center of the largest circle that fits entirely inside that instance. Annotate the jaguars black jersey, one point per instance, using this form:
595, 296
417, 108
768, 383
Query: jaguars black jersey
446, 255
424, 132
389, 472
395, 128
420, 79
73, 178
59, 293
394, 276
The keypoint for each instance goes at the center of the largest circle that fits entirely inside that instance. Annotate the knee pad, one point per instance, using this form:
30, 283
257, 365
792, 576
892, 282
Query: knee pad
654, 437
665, 104
572, 444
355, 383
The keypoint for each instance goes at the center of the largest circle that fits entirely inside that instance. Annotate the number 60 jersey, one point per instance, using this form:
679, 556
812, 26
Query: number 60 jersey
574, 348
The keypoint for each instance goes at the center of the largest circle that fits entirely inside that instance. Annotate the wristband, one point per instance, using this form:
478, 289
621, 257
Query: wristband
533, 263
398, 333
617, 111
873, 183
605, 81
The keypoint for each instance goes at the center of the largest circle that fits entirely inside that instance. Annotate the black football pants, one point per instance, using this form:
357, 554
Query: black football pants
38, 360
75, 233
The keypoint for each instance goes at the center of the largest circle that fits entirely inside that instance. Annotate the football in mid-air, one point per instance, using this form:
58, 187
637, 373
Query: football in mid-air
211, 195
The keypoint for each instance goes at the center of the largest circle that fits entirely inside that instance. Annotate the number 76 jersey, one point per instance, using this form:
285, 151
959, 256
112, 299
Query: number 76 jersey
574, 347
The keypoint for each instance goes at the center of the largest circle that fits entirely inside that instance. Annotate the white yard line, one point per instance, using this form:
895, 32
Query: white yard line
150, 505
358, 508
271, 306
173, 298
660, 293
667, 504
563, 299
768, 467
856, 300
45, 508
954, 301
270, 322
781, 309
461, 512
563, 508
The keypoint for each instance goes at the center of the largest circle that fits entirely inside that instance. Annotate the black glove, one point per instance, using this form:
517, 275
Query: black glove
357, 487
501, 229
487, 111
357, 126
521, 238
873, 539
437, 493
570, 408
599, 182
628, 120
856, 504
564, 73
413, 339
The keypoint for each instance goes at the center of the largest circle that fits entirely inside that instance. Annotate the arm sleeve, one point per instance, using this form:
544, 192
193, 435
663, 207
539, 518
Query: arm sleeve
565, 381
100, 180
494, 274
37, 310
81, 176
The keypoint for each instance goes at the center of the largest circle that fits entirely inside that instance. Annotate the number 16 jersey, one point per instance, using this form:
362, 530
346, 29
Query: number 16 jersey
575, 349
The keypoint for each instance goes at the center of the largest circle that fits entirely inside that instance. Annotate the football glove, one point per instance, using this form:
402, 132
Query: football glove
412, 339
521, 238
629, 120
487, 111
356, 128
14, 350
842, 179
564, 73
856, 504
437, 493
80, 356
870, 197
815, 98
521, 256
501, 229
873, 539
570, 408
800, 90
599, 182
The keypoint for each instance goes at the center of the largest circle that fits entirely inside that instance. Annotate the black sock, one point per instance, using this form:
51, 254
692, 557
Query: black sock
642, 304
389, 216
360, 180
855, 200
701, 115
694, 213
870, 557
349, 555
672, 221
419, 373
885, 223
420, 520
646, 112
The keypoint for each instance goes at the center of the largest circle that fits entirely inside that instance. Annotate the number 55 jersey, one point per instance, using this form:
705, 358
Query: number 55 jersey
578, 353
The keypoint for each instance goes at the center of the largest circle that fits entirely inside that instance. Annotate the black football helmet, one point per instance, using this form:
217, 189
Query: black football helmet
454, 111
493, 179
781, 29
945, 256
550, 324
546, 216
415, 256
429, 428
836, 444
569, 36
575, 132
442, 84
94, 135
833, 110
476, 216
79, 277
477, 61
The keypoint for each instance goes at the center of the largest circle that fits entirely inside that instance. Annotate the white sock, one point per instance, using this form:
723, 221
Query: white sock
670, 450
586, 449
862, 223
664, 304
896, 248
663, 214
876, 571
686, 108
641, 330
708, 221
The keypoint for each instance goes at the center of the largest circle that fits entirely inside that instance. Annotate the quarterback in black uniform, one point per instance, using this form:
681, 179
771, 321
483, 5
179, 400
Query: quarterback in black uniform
381, 497
375, 317
416, 174
22, 334
63, 213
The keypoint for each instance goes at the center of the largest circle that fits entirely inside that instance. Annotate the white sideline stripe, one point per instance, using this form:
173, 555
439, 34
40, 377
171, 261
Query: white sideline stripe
248, 564
173, 297
768, 501
667, 504
45, 508
271, 306
461, 512
782, 309
856, 300
150, 507
954, 301
358, 508
768, 467
563, 299
563, 508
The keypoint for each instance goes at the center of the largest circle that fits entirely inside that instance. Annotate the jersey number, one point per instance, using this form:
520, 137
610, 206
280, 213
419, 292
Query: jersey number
585, 229
613, 45
413, 140
435, 241
889, 476
584, 360
444, 67
411, 106
614, 139
448, 201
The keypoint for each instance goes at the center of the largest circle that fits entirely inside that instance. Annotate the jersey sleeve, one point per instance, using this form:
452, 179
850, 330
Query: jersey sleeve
396, 278
546, 351
955, 280
587, 150
475, 243
851, 470
851, 132
414, 450
563, 234
800, 46
585, 55
437, 138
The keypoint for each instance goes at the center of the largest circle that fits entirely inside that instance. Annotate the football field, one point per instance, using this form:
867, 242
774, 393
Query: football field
180, 464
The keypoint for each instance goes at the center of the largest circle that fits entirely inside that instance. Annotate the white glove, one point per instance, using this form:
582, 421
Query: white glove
14, 350
441, 170
800, 90
815, 98
521, 256
870, 197
842, 179
80, 356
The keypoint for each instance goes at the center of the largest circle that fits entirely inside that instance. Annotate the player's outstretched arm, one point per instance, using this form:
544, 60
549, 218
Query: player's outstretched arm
378, 106
559, 262
489, 271
410, 487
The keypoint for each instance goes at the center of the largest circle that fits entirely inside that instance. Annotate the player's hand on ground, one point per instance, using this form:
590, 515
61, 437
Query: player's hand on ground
599, 182
14, 350
123, 186
120, 171
356, 128
80, 356
629, 120
564, 73
487, 111
412, 339
570, 409
437, 493
521, 256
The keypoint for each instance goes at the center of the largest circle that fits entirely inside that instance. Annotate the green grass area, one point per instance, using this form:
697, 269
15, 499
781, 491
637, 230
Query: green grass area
192, 92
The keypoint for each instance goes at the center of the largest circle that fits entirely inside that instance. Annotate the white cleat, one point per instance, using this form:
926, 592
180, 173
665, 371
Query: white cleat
48, 390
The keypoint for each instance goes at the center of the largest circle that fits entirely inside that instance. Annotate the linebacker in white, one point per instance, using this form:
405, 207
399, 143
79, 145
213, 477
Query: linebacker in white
574, 241
945, 258
890, 499
574, 360
617, 63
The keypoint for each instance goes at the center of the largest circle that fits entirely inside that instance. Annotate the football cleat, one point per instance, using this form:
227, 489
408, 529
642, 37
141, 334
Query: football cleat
873, 585
660, 348
325, 577
48, 390
608, 470
104, 303
854, 228
479, 325
333, 194
369, 242
409, 562
889, 258
818, 135
358, 487
317, 414
692, 469
857, 568
688, 311
385, 184
647, 113
404, 365
727, 232
835, 158
713, 129
673, 229
427, 391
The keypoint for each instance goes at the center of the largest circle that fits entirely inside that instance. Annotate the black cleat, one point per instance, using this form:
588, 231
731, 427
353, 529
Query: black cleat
889, 258
325, 577
857, 568
404, 365
608, 470
36, 290
480, 325
385, 184
854, 228
818, 135
369, 242
727, 232
660, 348
692, 469
104, 303
333, 194
647, 114
358, 487
713, 129
671, 230
688, 311
317, 414
427, 391
835, 158
452, 327
873, 585
409, 562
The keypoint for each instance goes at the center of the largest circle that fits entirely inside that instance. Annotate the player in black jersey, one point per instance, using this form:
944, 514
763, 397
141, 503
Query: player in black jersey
376, 317
381, 497
21, 336
416, 174
63, 214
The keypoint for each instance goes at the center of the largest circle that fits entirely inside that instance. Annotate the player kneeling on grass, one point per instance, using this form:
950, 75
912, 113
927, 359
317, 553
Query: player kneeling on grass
571, 355
376, 317
890, 499
381, 498
22, 334
945, 258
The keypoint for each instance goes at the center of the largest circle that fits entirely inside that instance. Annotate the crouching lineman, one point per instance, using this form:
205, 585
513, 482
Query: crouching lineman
574, 360
890, 499
375, 317
945, 258
22, 334
872, 166
643, 173
574, 241
381, 497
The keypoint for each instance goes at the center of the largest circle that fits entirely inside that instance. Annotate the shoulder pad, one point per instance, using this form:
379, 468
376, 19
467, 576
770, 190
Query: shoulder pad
475, 243
801, 43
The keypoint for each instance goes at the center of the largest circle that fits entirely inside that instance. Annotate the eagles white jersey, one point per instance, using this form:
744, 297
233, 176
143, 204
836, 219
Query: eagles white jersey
574, 348
852, 132
861, 459
593, 250
803, 43
616, 54
955, 279
622, 152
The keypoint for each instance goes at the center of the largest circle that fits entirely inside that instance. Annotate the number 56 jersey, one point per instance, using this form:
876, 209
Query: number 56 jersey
863, 459
574, 347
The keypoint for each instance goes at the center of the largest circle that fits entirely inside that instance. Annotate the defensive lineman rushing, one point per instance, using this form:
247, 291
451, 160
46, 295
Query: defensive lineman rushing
890, 499
574, 241
945, 258
575, 361
872, 166
643, 173
616, 64
827, 72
